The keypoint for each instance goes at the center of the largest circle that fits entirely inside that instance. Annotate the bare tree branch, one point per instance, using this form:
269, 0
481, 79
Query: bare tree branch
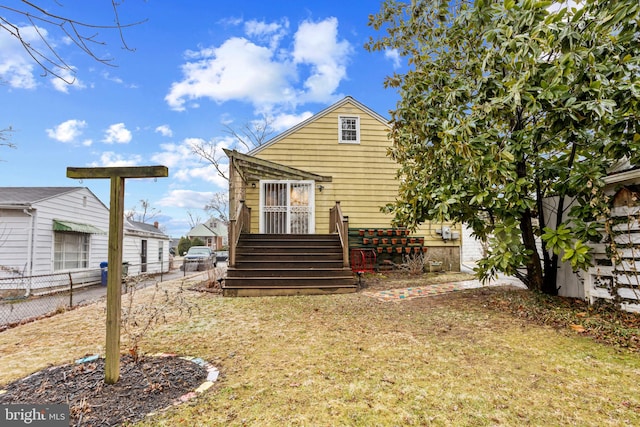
194, 219
83, 34
147, 212
248, 137
219, 207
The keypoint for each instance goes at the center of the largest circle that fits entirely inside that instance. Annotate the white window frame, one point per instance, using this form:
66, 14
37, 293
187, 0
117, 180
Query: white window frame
341, 120
287, 209
62, 257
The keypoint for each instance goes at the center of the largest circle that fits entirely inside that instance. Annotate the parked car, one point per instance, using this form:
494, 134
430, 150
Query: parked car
222, 256
199, 258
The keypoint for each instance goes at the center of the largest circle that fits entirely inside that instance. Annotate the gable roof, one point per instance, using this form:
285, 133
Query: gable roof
331, 108
201, 230
27, 195
144, 228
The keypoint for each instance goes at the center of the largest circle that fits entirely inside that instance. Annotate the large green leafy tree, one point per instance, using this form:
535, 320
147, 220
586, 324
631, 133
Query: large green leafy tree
511, 113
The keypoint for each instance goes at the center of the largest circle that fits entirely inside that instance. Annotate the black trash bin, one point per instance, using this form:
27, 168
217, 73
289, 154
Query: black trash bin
103, 273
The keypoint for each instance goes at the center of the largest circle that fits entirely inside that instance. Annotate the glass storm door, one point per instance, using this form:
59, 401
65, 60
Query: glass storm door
286, 207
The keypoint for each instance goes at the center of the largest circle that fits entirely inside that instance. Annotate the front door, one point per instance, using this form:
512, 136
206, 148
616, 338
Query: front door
143, 257
286, 207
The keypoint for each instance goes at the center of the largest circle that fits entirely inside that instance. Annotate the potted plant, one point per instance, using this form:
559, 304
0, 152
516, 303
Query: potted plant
365, 241
389, 249
399, 249
412, 239
380, 232
380, 248
389, 232
398, 232
421, 240
375, 240
384, 240
403, 240
371, 231
361, 232
407, 249
394, 240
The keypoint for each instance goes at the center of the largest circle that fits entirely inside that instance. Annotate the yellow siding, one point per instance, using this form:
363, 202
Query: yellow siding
364, 177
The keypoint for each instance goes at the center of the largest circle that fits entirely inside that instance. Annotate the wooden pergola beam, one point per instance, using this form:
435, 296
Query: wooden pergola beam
121, 172
117, 175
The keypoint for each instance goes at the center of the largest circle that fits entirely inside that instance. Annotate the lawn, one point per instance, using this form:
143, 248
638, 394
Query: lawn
474, 357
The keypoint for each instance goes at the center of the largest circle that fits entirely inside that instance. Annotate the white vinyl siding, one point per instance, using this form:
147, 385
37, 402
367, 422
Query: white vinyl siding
71, 251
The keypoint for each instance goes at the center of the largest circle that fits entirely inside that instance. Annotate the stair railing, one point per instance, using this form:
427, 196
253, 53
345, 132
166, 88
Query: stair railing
340, 224
241, 223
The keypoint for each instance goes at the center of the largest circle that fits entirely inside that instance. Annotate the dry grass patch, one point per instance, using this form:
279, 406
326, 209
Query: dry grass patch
351, 360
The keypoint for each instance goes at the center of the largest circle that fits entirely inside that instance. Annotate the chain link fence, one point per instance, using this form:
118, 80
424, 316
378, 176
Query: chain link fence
24, 298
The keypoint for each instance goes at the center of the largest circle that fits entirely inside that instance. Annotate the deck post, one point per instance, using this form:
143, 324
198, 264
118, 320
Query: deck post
117, 176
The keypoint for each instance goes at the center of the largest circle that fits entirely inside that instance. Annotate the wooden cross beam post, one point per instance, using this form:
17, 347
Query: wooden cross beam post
114, 259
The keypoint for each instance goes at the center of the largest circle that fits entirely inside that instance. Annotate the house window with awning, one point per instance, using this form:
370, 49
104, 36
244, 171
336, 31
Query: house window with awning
71, 250
71, 244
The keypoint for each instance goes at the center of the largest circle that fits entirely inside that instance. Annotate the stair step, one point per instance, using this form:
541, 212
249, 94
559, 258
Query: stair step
289, 282
287, 264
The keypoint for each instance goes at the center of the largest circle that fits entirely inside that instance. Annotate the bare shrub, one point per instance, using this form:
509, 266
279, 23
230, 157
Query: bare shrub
414, 263
141, 313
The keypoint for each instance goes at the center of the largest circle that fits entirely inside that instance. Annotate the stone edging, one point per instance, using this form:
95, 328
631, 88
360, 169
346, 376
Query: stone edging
212, 376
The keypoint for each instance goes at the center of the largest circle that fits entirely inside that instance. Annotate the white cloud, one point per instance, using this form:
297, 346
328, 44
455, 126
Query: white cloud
259, 69
237, 70
271, 33
283, 122
186, 166
164, 130
317, 44
67, 131
556, 6
174, 155
117, 133
16, 66
66, 79
186, 199
111, 159
394, 56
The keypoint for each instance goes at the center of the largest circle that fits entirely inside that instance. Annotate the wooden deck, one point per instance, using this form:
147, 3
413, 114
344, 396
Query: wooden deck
288, 264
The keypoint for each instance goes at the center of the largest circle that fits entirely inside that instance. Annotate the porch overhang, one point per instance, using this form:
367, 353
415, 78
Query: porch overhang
254, 169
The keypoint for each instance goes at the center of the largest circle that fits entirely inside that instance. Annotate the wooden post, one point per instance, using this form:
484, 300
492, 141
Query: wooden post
114, 259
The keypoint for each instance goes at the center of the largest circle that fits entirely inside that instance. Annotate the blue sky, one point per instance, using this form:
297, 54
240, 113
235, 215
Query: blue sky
196, 67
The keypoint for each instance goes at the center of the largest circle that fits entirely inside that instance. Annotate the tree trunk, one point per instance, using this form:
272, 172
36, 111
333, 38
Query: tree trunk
535, 277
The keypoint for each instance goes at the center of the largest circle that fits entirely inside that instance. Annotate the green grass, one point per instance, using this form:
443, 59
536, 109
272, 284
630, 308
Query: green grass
468, 358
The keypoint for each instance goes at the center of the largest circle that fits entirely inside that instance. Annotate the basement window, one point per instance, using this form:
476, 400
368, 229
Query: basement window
349, 129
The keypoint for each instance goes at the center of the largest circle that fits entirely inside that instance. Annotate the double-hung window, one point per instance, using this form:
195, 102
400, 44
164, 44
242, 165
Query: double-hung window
349, 129
71, 250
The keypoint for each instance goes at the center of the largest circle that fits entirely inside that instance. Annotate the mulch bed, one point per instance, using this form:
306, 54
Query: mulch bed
148, 385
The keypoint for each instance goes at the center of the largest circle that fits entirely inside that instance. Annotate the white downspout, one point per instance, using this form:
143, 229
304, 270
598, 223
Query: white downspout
29, 264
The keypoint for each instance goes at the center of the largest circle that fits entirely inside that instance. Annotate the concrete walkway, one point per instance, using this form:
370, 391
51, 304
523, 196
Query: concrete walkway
404, 294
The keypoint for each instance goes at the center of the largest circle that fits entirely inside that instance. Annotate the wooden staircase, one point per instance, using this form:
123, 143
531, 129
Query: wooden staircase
288, 264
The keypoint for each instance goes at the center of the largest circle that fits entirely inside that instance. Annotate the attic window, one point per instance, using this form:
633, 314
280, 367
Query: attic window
349, 129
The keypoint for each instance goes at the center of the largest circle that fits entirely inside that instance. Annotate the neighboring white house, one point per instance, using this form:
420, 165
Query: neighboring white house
47, 230
145, 248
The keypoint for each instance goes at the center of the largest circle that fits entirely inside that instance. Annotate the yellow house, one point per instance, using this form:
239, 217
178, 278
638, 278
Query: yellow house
329, 175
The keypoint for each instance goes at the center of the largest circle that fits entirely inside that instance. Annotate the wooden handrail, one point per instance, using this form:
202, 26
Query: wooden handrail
340, 224
241, 223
